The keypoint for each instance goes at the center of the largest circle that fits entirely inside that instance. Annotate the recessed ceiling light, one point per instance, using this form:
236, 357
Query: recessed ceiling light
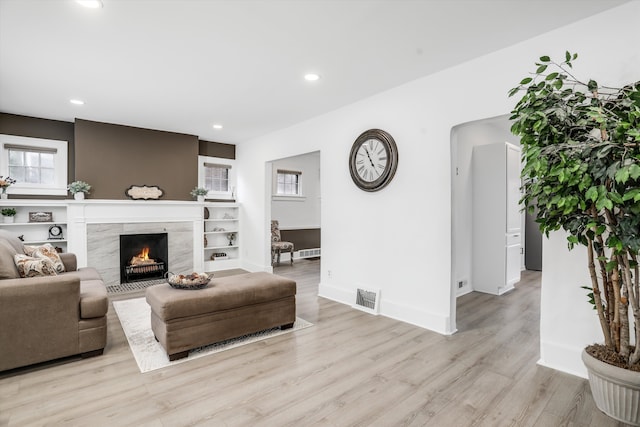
93, 4
76, 101
311, 77
217, 126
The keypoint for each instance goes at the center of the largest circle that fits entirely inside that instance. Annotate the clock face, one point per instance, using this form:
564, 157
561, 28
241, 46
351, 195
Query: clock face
373, 160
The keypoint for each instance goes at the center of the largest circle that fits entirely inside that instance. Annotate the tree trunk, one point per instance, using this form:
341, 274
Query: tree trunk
615, 281
600, 307
631, 291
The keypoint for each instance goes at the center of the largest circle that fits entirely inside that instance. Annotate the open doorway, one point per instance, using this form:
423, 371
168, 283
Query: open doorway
464, 138
295, 204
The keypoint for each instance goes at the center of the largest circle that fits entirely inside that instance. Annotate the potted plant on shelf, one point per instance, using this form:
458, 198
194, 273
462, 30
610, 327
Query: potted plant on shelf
581, 172
78, 189
4, 184
199, 193
8, 214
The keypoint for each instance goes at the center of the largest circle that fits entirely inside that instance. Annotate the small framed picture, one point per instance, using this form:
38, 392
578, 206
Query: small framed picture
40, 217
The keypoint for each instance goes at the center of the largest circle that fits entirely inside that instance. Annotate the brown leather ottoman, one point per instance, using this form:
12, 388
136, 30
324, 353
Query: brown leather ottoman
228, 307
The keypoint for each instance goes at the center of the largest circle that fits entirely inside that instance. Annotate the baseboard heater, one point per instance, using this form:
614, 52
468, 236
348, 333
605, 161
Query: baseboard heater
309, 253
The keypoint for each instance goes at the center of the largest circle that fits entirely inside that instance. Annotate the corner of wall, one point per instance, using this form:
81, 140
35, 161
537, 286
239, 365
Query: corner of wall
563, 358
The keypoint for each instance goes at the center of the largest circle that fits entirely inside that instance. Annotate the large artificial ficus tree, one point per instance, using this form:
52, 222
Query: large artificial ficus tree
581, 173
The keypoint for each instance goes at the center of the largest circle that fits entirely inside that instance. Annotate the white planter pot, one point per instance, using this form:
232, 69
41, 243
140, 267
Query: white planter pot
616, 391
79, 196
200, 198
9, 219
4, 195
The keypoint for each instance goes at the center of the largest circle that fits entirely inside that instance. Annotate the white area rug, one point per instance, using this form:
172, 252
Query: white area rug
134, 315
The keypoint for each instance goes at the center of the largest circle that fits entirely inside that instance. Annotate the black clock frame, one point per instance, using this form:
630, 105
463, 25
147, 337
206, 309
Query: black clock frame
53, 236
392, 164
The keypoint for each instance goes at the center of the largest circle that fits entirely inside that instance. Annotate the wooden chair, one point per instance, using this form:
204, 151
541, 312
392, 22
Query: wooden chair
277, 245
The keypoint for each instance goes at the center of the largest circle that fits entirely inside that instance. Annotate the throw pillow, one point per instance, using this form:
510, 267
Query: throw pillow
32, 267
46, 251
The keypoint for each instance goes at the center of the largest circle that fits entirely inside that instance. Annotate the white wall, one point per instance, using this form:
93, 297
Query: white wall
299, 212
412, 216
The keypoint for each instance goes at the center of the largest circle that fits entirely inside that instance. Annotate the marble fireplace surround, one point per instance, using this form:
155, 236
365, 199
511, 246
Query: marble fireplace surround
94, 228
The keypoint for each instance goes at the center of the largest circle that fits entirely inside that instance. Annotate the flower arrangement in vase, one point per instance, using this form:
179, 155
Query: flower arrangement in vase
6, 182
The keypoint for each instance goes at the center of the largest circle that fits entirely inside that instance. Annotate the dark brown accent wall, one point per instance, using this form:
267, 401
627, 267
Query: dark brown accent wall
113, 157
13, 124
216, 149
307, 238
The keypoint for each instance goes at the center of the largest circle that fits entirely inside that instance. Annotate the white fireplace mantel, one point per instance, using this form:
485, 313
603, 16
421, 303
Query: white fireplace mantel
81, 213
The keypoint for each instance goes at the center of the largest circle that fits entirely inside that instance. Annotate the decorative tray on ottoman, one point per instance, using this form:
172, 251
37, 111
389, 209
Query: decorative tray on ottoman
189, 281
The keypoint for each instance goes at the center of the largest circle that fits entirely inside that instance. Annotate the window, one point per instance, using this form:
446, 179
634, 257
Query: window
288, 183
39, 166
31, 165
218, 176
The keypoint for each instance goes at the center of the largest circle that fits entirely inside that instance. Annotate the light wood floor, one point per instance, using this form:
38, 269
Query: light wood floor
350, 369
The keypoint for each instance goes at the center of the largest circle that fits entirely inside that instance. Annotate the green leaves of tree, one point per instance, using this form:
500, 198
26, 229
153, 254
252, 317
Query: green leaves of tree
581, 153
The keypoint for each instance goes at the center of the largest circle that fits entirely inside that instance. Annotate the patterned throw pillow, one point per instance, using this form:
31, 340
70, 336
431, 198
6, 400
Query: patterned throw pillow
46, 251
32, 267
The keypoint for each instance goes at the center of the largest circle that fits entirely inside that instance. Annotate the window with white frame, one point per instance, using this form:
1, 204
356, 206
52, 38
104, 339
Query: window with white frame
288, 183
218, 176
39, 166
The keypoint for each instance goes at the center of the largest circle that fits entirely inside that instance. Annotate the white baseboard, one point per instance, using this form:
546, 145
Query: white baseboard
255, 267
562, 358
402, 312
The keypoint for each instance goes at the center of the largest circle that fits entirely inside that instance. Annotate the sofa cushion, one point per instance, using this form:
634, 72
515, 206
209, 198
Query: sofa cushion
13, 240
33, 267
93, 299
46, 251
8, 268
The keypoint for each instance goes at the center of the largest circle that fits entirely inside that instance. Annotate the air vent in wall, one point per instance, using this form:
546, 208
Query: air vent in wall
368, 300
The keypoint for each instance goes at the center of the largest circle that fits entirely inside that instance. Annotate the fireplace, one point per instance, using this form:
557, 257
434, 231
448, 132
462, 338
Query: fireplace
143, 256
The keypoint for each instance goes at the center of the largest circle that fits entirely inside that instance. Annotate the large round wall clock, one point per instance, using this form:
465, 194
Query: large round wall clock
373, 160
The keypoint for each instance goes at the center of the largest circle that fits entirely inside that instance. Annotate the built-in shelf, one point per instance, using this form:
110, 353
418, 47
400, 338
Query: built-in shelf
36, 233
20, 224
221, 215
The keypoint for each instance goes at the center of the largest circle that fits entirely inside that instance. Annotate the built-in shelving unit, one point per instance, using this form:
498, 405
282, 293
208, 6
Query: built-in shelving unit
220, 221
36, 233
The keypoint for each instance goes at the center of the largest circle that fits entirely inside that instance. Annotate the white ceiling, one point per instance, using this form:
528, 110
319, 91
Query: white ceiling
182, 65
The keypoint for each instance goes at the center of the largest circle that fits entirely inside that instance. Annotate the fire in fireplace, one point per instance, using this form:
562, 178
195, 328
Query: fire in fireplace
143, 256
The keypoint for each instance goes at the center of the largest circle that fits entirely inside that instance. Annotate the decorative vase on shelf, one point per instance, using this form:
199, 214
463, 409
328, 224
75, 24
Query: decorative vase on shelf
200, 199
9, 219
78, 195
4, 195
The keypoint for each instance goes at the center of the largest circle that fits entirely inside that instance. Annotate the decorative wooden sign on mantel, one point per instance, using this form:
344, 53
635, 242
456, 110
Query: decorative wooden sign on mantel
144, 192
